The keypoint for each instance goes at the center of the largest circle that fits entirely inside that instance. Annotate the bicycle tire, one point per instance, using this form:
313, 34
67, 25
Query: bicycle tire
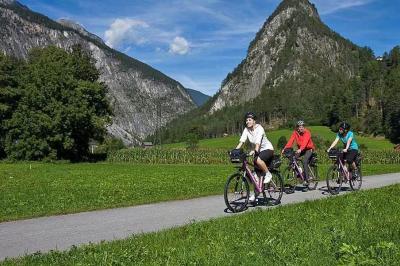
273, 191
236, 192
290, 180
334, 180
313, 178
355, 183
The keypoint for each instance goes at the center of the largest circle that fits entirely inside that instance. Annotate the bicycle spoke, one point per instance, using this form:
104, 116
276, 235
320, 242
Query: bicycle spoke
273, 190
236, 193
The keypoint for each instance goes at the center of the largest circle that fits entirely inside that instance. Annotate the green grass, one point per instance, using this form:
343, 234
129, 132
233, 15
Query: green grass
48, 189
324, 132
42, 189
359, 228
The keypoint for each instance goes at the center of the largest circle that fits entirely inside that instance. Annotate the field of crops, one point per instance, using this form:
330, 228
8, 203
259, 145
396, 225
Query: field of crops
41, 189
220, 156
324, 132
354, 229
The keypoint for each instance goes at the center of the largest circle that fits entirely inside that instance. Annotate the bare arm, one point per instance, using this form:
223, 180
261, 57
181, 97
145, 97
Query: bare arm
239, 145
257, 148
333, 143
348, 144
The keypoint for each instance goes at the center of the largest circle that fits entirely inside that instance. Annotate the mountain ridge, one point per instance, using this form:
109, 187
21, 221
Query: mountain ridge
198, 97
135, 88
277, 36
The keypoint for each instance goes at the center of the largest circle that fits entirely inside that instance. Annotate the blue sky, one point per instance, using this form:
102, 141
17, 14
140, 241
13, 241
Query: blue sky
198, 42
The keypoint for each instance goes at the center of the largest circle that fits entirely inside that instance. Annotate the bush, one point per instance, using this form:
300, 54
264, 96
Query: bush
281, 142
110, 145
192, 141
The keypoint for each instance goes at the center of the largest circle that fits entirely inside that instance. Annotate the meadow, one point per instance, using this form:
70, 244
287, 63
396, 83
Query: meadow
325, 133
358, 228
41, 189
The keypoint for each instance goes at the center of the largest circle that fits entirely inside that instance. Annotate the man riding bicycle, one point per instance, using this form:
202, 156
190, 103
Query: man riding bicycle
305, 145
263, 149
350, 150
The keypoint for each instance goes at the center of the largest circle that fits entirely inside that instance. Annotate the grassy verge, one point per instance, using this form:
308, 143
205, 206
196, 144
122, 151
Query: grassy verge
42, 189
355, 229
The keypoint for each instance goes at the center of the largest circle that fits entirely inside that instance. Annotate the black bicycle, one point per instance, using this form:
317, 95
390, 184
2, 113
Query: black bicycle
237, 188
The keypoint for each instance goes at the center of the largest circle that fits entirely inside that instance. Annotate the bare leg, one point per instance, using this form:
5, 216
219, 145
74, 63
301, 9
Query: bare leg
261, 164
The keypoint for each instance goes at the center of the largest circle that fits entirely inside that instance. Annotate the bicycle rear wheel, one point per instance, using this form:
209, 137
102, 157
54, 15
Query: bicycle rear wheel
356, 181
334, 180
273, 190
313, 177
236, 193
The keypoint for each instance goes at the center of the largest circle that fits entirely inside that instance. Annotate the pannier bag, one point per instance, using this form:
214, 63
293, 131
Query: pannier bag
333, 153
314, 159
237, 155
288, 153
275, 162
358, 159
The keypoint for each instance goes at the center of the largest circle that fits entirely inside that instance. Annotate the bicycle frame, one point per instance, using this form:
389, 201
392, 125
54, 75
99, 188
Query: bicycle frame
344, 171
296, 168
259, 186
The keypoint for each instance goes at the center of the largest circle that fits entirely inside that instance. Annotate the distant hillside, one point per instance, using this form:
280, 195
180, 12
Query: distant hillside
198, 97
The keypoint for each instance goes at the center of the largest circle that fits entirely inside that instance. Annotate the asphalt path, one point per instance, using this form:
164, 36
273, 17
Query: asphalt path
61, 232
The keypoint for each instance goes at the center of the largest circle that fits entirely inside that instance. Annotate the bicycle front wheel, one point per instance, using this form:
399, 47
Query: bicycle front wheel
356, 181
290, 180
236, 192
274, 189
334, 180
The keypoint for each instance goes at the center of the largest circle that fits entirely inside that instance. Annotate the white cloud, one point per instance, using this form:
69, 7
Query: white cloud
125, 30
179, 46
330, 6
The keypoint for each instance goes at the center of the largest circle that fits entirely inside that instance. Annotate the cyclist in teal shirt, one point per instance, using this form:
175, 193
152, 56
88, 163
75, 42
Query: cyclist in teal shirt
350, 150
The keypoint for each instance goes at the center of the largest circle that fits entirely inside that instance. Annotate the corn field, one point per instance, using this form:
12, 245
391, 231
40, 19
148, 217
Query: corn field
213, 156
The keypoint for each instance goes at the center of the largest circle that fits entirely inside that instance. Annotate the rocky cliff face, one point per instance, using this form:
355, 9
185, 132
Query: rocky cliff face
137, 92
291, 43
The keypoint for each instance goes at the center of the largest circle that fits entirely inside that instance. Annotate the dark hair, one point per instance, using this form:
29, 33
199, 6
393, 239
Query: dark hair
344, 126
250, 115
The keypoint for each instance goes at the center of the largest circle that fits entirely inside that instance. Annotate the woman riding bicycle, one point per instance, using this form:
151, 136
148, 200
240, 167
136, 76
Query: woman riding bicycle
350, 150
263, 150
305, 145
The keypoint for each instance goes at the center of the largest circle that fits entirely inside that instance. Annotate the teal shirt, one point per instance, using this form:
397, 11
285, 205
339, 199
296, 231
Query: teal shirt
353, 143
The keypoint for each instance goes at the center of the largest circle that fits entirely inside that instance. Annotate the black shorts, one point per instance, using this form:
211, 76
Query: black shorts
266, 156
350, 156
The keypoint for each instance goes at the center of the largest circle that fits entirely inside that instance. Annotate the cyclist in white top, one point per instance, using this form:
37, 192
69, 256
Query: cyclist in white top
263, 149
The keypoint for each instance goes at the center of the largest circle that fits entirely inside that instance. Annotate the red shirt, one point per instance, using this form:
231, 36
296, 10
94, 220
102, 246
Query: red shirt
303, 141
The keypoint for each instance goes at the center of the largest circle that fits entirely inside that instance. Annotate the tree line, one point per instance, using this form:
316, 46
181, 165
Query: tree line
51, 105
320, 95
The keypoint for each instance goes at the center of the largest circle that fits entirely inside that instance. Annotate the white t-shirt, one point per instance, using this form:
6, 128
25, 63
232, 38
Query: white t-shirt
257, 135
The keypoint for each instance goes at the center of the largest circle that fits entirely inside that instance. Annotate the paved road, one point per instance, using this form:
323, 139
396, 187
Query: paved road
61, 232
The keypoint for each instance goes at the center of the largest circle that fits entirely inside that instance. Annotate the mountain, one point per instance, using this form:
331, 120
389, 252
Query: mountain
136, 91
198, 97
296, 67
289, 63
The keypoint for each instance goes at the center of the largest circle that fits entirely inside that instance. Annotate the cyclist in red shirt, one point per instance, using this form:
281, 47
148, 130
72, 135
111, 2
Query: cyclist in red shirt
305, 145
